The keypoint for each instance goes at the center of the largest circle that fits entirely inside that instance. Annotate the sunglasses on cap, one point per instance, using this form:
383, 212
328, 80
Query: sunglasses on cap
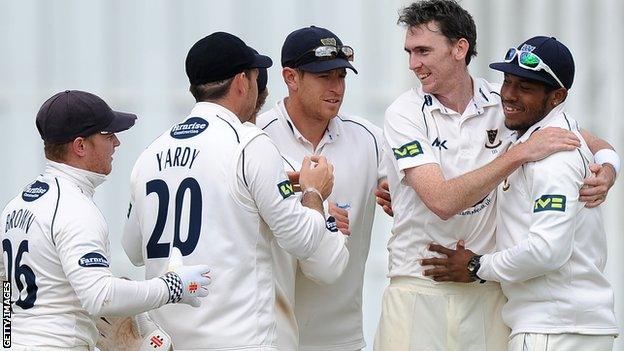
529, 60
325, 52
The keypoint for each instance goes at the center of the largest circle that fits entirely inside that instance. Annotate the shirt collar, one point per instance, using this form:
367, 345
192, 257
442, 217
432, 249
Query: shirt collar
554, 113
481, 98
205, 109
85, 180
332, 132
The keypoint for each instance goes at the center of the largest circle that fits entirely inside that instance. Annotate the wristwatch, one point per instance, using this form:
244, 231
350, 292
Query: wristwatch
473, 267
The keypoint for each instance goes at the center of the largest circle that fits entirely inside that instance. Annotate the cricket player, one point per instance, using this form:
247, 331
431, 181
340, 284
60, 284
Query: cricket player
446, 153
55, 239
552, 249
214, 186
308, 122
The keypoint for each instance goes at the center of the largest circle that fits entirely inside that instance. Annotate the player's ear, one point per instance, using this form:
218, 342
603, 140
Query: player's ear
291, 78
460, 49
78, 147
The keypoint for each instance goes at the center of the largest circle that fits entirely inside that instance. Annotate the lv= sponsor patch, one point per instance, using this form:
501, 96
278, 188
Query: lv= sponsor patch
550, 203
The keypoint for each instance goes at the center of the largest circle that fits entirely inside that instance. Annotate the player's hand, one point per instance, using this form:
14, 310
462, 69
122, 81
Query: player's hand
186, 283
319, 175
595, 188
382, 193
154, 337
117, 333
547, 141
293, 177
138, 333
453, 268
342, 218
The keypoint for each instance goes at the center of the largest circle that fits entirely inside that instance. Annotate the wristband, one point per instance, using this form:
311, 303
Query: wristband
608, 156
312, 190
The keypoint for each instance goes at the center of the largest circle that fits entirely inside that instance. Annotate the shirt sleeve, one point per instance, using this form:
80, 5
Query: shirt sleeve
81, 244
554, 185
297, 229
131, 239
406, 136
329, 260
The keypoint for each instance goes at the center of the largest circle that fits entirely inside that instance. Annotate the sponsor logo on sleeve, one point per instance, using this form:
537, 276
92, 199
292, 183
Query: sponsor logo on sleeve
93, 259
331, 225
35, 191
189, 128
410, 149
550, 203
285, 189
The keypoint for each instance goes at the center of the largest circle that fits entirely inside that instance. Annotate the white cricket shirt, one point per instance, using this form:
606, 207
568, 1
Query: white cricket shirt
329, 317
553, 249
55, 253
419, 130
216, 189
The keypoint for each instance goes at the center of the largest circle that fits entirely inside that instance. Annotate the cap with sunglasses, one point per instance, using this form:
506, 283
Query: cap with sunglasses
315, 49
543, 59
74, 113
221, 56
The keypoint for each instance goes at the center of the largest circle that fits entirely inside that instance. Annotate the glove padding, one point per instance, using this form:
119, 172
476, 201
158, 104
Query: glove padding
128, 334
186, 284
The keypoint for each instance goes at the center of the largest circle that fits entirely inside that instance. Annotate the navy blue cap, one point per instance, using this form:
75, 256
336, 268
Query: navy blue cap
221, 56
263, 75
556, 55
74, 113
305, 39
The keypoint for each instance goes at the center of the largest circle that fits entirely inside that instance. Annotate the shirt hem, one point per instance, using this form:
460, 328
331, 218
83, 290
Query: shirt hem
352, 346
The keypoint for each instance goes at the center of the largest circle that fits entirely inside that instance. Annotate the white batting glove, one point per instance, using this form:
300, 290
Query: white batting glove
154, 338
186, 283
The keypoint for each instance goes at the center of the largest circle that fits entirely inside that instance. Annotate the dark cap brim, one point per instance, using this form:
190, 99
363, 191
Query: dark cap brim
261, 61
122, 121
514, 69
324, 66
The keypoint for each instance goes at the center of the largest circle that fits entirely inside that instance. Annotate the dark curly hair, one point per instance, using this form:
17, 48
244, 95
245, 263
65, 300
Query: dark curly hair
454, 22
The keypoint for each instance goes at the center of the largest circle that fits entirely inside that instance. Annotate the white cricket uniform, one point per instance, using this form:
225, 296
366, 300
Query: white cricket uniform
56, 250
216, 189
329, 316
553, 250
419, 130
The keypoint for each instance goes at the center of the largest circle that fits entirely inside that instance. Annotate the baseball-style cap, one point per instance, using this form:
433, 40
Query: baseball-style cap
74, 113
263, 75
551, 52
221, 56
305, 40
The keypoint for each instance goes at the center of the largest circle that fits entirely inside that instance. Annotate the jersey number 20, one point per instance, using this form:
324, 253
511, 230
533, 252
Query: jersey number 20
21, 270
155, 249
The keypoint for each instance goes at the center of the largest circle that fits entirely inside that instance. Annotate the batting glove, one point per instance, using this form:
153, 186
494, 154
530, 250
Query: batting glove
186, 284
154, 337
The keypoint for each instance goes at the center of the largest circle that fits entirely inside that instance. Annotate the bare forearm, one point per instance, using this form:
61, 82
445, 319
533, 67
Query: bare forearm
313, 201
594, 143
448, 197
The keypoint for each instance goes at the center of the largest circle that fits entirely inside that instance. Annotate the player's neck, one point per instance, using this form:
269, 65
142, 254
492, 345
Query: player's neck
311, 128
458, 94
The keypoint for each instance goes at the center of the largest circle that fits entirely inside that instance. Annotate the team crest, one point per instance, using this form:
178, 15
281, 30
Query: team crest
527, 47
156, 341
492, 143
328, 41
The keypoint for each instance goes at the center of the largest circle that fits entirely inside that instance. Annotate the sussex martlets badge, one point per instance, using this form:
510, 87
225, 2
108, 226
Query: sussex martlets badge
492, 143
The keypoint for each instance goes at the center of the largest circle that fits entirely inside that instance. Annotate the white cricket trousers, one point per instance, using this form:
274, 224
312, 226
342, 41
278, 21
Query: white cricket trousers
560, 342
418, 314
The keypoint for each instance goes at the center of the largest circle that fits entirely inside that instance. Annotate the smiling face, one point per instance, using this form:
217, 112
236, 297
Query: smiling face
321, 94
99, 149
526, 102
433, 58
